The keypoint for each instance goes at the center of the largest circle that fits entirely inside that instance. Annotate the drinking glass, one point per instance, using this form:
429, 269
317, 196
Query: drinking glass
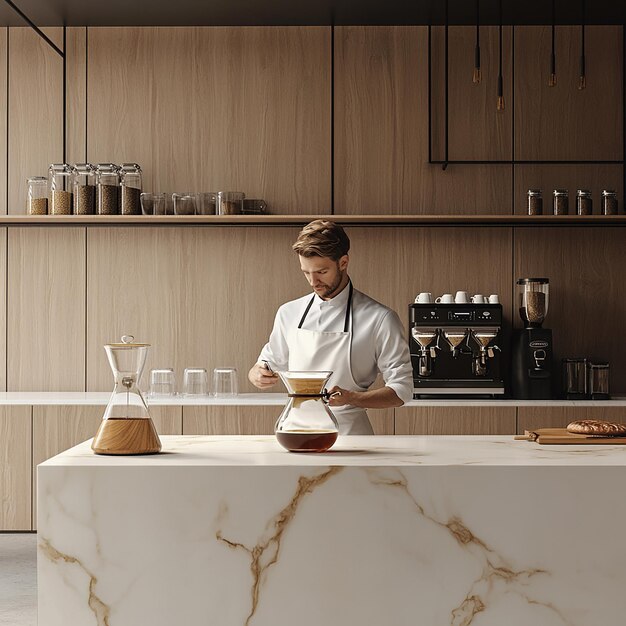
184, 203
162, 382
225, 383
195, 381
206, 202
152, 203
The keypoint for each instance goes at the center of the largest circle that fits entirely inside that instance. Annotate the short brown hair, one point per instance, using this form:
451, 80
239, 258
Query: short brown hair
322, 238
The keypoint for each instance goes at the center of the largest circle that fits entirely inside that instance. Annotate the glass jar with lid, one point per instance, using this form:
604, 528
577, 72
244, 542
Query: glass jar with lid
60, 180
37, 203
584, 203
130, 189
561, 202
84, 189
108, 189
535, 202
609, 202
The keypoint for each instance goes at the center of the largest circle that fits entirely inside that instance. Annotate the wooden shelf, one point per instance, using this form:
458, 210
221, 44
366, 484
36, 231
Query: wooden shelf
298, 220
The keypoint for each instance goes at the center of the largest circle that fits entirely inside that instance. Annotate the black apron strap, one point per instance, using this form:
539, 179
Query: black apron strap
306, 311
348, 310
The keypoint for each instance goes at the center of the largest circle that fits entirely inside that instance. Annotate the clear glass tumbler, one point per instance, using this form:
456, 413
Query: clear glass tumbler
152, 203
195, 382
184, 203
225, 383
162, 382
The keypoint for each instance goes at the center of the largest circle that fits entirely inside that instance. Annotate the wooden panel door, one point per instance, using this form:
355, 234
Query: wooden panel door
230, 420
3, 308
201, 297
457, 420
381, 128
4, 34
532, 417
563, 122
46, 302
15, 461
382, 421
216, 109
587, 305
35, 117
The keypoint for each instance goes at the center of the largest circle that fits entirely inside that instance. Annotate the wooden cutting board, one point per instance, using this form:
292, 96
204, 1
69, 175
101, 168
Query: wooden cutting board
562, 436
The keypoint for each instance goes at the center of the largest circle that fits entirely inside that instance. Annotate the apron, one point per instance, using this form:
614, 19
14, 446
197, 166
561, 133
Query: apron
311, 350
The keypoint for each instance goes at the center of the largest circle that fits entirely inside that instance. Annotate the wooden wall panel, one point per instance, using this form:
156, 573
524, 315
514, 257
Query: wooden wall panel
216, 108
4, 38
563, 122
587, 306
15, 461
3, 309
76, 95
46, 304
230, 420
201, 297
381, 132
529, 418
570, 177
35, 124
455, 420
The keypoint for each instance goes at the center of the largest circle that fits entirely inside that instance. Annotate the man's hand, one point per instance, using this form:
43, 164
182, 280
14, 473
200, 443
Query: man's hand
261, 377
342, 397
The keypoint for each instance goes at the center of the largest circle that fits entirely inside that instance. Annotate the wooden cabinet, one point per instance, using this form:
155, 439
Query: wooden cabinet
529, 418
459, 420
15, 464
230, 420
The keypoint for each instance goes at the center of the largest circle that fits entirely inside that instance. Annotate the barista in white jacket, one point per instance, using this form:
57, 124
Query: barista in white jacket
341, 329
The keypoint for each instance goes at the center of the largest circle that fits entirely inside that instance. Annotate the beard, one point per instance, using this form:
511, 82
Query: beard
325, 291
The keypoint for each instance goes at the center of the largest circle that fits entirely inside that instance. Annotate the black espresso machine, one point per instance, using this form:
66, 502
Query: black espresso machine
454, 349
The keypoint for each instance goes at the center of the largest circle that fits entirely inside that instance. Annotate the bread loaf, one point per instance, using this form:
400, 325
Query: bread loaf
599, 428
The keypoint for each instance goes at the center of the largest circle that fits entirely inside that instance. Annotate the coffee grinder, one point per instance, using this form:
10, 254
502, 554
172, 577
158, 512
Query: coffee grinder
531, 349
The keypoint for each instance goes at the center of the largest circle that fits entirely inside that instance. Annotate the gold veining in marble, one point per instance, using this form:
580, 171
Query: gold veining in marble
266, 552
495, 568
101, 610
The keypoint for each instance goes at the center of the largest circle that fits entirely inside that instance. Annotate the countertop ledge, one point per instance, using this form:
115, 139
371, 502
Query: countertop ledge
356, 451
101, 398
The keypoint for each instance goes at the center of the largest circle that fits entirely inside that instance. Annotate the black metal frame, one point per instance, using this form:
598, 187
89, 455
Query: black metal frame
447, 161
63, 56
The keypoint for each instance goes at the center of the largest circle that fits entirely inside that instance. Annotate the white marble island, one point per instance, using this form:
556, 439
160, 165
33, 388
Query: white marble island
400, 531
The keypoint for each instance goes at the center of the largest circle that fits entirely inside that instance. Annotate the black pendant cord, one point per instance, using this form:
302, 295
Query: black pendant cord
63, 56
500, 103
445, 111
552, 80
476, 78
582, 78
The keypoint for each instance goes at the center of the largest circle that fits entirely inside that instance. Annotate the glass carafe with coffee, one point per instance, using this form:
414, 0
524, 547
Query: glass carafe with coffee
306, 424
126, 427
532, 345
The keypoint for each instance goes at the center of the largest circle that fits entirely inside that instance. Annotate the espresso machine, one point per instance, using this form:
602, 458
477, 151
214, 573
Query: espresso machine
531, 346
454, 349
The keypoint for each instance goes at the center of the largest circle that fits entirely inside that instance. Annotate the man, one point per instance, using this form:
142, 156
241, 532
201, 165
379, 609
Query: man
338, 329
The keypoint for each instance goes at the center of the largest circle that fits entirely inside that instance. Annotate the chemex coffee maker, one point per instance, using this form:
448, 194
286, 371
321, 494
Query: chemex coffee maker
531, 346
454, 349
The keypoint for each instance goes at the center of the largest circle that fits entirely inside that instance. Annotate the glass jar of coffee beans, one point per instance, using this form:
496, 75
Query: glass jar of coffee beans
84, 189
584, 203
560, 202
37, 203
535, 202
59, 177
609, 202
130, 189
108, 189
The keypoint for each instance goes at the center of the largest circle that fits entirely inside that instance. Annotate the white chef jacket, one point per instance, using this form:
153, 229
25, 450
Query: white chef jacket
378, 343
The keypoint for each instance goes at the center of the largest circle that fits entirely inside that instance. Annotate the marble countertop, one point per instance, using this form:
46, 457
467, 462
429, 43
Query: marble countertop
375, 451
262, 399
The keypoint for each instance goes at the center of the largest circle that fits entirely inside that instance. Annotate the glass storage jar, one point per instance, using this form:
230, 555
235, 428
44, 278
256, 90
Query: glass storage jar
108, 189
535, 202
561, 202
230, 202
584, 203
609, 202
130, 189
59, 176
37, 203
84, 189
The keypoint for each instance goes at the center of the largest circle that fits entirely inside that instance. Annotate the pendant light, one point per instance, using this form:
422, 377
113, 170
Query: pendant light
582, 79
477, 75
500, 105
552, 80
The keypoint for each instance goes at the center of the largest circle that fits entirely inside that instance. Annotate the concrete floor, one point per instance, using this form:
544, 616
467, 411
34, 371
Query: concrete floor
18, 579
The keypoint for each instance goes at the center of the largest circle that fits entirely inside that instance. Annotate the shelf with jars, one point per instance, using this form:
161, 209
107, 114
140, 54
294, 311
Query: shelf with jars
287, 220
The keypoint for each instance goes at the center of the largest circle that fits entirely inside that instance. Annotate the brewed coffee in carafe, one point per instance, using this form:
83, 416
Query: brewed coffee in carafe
126, 427
306, 424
